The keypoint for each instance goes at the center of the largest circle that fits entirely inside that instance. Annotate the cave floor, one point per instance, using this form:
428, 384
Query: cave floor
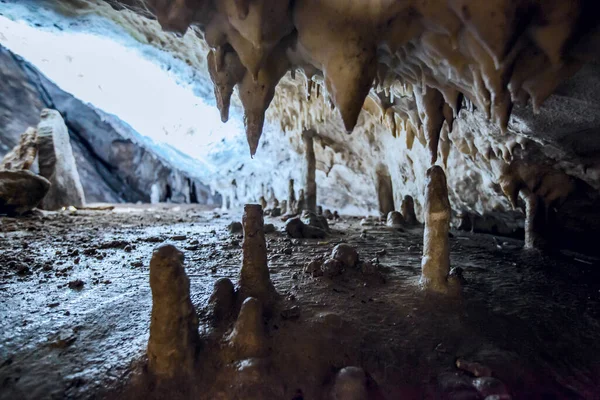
75, 307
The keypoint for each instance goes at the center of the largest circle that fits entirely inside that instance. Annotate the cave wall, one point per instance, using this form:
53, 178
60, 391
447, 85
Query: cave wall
113, 166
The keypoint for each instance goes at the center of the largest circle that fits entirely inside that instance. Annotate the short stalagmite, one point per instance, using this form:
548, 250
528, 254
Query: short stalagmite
263, 202
248, 337
311, 165
254, 277
291, 203
408, 210
222, 299
174, 322
436, 250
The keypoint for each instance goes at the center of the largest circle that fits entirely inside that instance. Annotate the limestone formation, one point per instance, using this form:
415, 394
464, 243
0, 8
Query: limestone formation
263, 202
327, 214
311, 165
23, 155
222, 300
536, 226
21, 191
254, 279
408, 210
297, 229
301, 204
354, 383
395, 219
312, 219
248, 337
436, 249
174, 323
385, 192
346, 254
235, 227
291, 202
283, 206
57, 164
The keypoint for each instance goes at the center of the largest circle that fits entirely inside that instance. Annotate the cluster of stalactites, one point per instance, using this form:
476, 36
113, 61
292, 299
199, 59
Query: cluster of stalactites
494, 53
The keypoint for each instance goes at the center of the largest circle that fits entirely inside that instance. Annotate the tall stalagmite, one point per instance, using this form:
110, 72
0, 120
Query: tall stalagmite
255, 280
311, 165
385, 191
436, 250
291, 203
174, 322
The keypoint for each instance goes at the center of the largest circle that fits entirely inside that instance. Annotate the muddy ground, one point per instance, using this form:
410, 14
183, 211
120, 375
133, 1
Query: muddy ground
75, 305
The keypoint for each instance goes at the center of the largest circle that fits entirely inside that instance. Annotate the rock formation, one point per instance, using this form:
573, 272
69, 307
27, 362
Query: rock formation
385, 192
174, 323
57, 164
435, 264
21, 191
311, 165
291, 202
395, 219
408, 210
23, 155
254, 275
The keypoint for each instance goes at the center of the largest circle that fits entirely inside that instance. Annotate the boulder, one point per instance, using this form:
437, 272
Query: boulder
20, 191
346, 254
22, 156
57, 163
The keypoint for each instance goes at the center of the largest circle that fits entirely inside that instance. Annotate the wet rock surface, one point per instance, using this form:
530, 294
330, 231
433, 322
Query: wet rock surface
509, 319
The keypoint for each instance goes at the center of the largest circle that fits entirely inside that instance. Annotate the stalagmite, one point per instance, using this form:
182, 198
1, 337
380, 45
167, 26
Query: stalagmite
394, 219
221, 301
248, 337
263, 202
174, 323
311, 164
301, 205
536, 226
284, 207
254, 279
291, 203
408, 210
436, 249
385, 191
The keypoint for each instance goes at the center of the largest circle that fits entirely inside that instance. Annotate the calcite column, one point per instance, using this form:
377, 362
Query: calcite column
311, 166
291, 203
174, 322
435, 264
408, 210
255, 280
385, 192
536, 223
